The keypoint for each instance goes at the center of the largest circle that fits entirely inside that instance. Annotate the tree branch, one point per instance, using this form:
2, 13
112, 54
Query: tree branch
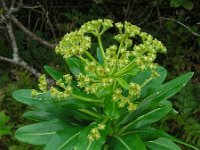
178, 22
31, 34
16, 59
22, 64
13, 41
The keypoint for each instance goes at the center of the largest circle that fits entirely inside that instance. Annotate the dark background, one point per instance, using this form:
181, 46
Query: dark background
174, 22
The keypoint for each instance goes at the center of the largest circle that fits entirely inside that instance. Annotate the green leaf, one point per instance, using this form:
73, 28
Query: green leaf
148, 118
75, 103
3, 128
84, 144
39, 116
141, 76
162, 144
176, 3
103, 91
111, 108
86, 97
145, 75
3, 119
99, 56
188, 4
149, 133
53, 73
76, 66
128, 142
24, 96
164, 92
39, 133
123, 83
153, 84
64, 139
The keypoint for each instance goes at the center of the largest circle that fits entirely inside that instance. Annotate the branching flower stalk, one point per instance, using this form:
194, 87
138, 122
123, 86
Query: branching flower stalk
111, 99
117, 62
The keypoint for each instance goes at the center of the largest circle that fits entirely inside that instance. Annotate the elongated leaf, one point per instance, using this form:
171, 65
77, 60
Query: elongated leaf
76, 66
128, 142
75, 103
165, 91
162, 144
86, 97
111, 108
39, 133
148, 118
24, 96
143, 75
84, 144
102, 92
64, 139
3, 128
99, 56
53, 73
151, 87
38, 115
150, 134
123, 83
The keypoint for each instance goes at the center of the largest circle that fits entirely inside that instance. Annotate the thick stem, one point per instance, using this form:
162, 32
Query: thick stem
90, 113
118, 53
101, 48
126, 69
90, 56
86, 99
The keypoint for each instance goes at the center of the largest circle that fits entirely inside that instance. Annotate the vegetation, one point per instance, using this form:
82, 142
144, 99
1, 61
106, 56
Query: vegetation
174, 22
113, 100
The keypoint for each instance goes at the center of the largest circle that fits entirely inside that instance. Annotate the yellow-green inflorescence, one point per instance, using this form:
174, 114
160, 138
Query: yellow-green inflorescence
118, 59
95, 132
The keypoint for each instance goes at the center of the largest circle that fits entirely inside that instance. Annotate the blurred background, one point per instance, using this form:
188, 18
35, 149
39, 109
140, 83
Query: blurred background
30, 29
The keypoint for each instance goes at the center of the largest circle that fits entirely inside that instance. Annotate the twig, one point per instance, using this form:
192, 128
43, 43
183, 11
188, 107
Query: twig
16, 59
23, 64
178, 22
13, 41
46, 13
31, 34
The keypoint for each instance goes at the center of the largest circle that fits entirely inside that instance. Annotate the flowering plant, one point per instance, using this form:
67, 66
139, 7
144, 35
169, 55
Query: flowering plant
107, 102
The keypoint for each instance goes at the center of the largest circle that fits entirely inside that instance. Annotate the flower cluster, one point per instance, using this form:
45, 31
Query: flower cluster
106, 73
145, 53
95, 132
42, 86
98, 79
63, 89
97, 27
74, 43
133, 92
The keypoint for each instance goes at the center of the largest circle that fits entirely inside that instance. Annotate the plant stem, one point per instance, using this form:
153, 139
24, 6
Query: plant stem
90, 113
101, 48
146, 81
83, 59
118, 52
86, 99
90, 56
126, 69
